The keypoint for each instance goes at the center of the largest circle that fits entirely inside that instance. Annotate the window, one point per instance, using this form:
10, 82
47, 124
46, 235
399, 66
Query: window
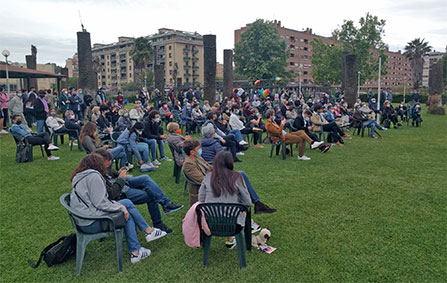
170, 63
292, 55
305, 72
292, 46
170, 47
292, 64
305, 49
170, 55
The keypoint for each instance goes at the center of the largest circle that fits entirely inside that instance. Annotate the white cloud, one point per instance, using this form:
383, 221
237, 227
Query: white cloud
51, 25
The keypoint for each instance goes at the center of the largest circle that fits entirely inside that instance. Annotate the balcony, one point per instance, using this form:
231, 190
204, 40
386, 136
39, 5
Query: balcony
195, 59
186, 50
195, 75
187, 58
195, 50
195, 67
187, 75
187, 67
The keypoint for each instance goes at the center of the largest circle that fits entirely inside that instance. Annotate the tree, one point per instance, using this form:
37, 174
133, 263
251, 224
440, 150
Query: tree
261, 54
415, 51
361, 41
142, 53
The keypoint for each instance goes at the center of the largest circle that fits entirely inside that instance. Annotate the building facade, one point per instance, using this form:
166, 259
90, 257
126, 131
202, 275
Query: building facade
300, 58
180, 52
430, 59
72, 65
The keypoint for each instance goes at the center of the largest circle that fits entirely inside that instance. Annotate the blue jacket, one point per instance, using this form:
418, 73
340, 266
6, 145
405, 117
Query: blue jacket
130, 142
19, 131
210, 147
185, 116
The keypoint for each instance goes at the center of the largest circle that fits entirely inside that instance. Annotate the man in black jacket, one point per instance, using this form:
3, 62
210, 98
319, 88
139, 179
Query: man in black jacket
152, 130
302, 123
141, 189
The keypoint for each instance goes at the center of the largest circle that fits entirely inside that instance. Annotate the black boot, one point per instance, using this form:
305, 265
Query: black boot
263, 208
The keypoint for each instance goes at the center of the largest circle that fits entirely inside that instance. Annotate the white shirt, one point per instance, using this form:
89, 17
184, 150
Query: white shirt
235, 123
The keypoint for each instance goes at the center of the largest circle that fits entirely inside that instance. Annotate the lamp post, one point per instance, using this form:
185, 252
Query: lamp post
358, 84
405, 82
378, 88
299, 72
6, 54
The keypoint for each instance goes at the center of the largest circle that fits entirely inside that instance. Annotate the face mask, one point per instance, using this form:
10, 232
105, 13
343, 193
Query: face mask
220, 117
157, 120
139, 132
53, 114
188, 107
165, 106
199, 153
126, 115
345, 105
19, 122
227, 111
19, 94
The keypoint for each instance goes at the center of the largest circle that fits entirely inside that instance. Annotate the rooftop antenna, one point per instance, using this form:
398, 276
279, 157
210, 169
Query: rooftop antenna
80, 19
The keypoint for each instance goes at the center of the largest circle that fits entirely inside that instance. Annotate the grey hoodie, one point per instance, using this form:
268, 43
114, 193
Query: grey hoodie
91, 189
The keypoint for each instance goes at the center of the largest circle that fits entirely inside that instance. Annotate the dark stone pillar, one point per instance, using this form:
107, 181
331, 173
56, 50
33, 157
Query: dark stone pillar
86, 75
31, 63
64, 83
349, 78
435, 88
159, 77
228, 73
209, 66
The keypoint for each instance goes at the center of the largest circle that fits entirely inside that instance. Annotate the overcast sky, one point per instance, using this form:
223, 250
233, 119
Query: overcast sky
51, 25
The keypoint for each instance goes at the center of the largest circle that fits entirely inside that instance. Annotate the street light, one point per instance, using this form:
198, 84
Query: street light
358, 85
299, 72
405, 82
6, 54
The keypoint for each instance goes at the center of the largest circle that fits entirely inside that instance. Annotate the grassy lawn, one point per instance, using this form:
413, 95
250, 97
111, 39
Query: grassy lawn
374, 210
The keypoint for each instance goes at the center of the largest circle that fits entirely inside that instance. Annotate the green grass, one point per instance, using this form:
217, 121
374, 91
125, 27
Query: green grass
374, 210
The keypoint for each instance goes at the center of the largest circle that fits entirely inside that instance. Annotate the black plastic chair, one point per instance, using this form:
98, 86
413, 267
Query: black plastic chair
82, 239
222, 221
30, 158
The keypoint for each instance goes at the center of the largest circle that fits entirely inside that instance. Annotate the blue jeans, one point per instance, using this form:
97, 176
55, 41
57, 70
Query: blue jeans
253, 195
119, 153
237, 134
144, 190
40, 125
152, 146
371, 124
135, 218
161, 148
144, 149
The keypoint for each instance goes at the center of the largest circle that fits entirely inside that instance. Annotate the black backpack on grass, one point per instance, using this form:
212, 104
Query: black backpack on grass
23, 151
57, 252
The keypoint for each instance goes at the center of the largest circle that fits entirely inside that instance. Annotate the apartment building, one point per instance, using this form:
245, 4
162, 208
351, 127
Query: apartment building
72, 65
300, 58
180, 52
430, 59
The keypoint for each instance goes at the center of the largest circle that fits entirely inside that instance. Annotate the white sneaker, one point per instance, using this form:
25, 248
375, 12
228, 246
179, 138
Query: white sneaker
156, 162
142, 254
243, 142
240, 153
303, 158
3, 132
165, 159
53, 147
316, 144
74, 144
52, 157
155, 234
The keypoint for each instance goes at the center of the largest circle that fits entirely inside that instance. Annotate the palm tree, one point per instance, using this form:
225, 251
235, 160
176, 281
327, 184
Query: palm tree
415, 51
142, 53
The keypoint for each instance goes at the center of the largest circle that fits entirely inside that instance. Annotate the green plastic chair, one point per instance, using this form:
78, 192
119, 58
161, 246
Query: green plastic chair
188, 181
279, 145
222, 221
177, 169
82, 239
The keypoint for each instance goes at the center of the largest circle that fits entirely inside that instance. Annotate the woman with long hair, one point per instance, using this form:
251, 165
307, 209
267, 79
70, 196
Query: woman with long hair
90, 142
89, 196
225, 185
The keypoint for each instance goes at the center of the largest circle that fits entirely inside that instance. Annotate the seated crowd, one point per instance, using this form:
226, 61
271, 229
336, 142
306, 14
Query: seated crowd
113, 133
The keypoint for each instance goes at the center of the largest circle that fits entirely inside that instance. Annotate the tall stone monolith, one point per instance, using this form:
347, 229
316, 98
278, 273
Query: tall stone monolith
349, 78
209, 62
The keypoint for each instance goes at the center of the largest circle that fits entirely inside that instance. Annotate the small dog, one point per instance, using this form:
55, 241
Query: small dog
261, 239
